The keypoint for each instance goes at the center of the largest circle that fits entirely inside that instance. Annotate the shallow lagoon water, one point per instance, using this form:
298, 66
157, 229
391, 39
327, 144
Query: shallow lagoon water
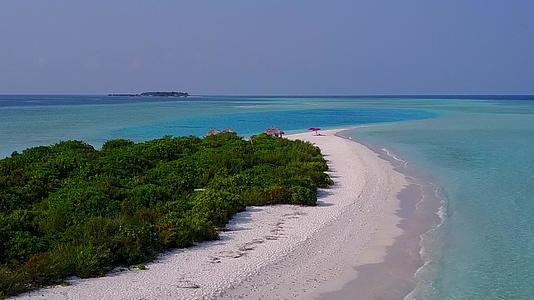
41, 120
483, 160
478, 150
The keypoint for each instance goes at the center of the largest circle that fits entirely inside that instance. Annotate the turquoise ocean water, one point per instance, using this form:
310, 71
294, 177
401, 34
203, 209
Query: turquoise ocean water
481, 154
479, 151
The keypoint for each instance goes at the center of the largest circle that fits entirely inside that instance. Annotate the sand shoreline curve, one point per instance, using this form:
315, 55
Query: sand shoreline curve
281, 252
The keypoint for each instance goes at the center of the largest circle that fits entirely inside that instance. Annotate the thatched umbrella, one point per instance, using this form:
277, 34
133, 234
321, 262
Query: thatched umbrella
273, 131
213, 131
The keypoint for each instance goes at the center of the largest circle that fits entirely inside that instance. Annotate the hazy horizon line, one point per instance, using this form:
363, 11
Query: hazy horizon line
290, 95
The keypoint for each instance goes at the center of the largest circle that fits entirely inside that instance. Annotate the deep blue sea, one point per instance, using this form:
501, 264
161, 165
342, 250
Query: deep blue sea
478, 149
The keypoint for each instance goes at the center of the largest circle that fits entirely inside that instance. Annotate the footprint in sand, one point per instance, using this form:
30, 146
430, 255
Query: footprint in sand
214, 260
231, 254
186, 284
276, 233
250, 245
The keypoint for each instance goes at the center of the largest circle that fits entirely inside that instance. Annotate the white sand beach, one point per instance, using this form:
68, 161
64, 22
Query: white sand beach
275, 252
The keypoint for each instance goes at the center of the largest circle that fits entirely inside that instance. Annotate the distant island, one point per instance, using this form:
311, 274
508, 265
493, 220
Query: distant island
153, 94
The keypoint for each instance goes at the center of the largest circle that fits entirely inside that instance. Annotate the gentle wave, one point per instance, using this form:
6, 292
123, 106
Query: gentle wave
405, 163
426, 238
426, 253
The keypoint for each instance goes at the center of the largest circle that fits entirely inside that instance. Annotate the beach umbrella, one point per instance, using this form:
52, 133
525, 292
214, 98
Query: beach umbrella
230, 130
213, 131
314, 129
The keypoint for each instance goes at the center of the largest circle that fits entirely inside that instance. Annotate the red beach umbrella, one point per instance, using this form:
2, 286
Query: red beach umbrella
314, 129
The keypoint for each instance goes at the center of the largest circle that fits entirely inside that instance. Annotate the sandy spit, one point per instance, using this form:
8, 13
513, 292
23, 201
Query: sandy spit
276, 252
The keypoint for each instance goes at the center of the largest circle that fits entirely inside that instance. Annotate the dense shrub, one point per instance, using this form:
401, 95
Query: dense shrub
71, 210
116, 144
302, 195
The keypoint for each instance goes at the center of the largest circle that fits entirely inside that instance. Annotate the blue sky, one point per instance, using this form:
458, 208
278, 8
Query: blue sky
271, 47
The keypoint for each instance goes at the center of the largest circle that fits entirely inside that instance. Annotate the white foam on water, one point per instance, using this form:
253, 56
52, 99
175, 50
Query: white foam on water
388, 153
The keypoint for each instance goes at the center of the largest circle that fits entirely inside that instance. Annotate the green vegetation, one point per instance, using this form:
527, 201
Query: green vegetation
71, 210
